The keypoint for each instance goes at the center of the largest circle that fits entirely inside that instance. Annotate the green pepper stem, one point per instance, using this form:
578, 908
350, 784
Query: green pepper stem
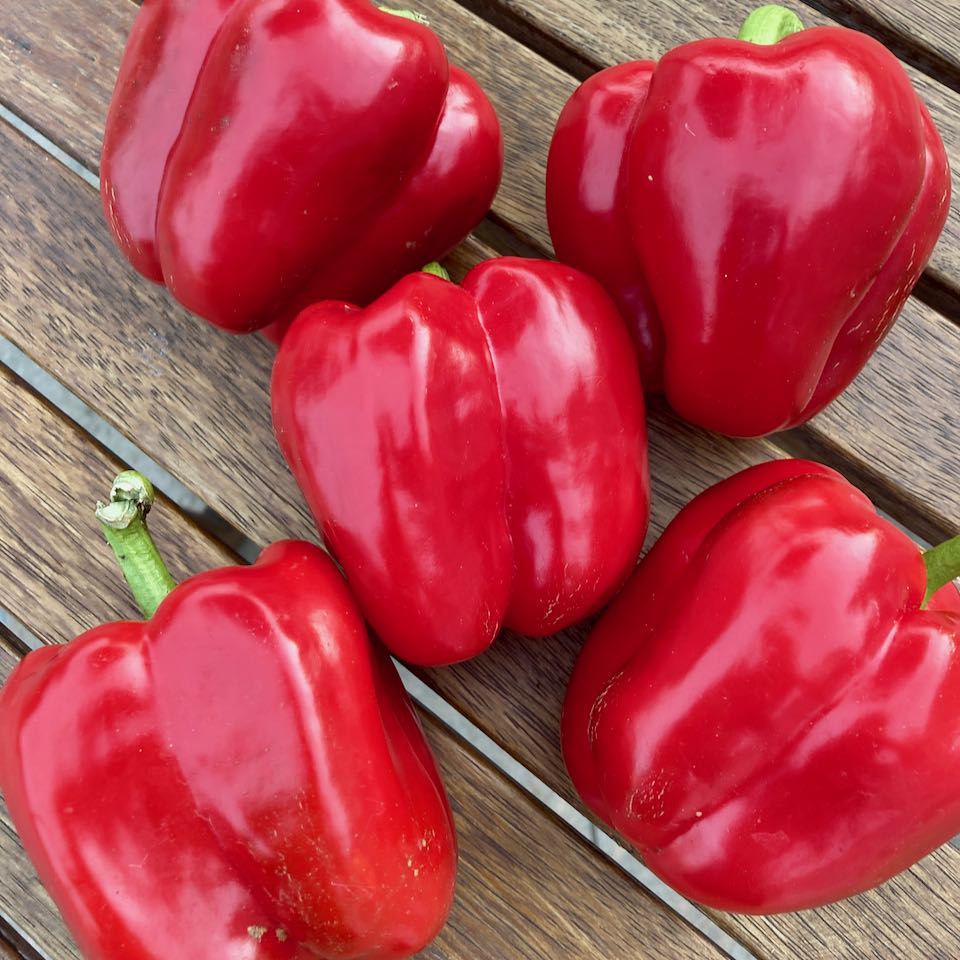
437, 270
769, 24
124, 524
405, 14
943, 565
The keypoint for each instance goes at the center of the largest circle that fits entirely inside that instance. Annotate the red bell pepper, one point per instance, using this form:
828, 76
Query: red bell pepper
260, 155
770, 710
240, 777
473, 455
759, 211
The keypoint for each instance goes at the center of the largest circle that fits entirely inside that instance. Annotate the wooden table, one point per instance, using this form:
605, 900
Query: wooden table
99, 368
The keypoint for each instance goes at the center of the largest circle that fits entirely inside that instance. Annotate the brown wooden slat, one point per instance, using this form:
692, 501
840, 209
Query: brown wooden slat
513, 692
913, 917
152, 370
898, 423
61, 78
928, 31
58, 578
611, 33
56, 573
540, 664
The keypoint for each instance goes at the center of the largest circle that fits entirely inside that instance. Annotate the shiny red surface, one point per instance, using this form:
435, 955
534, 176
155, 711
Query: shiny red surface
242, 777
765, 711
473, 456
760, 214
163, 56
575, 438
263, 154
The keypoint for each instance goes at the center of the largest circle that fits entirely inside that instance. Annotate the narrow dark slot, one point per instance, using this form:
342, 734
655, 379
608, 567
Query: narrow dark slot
499, 234
910, 50
17, 636
515, 25
10, 934
940, 294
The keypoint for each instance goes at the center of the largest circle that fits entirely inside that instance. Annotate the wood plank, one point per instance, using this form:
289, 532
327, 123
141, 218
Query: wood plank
54, 574
7, 951
152, 370
912, 917
929, 32
896, 425
504, 729
897, 486
54, 563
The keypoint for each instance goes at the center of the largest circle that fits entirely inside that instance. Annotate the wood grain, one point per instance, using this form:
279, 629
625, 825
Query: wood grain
927, 31
208, 416
56, 572
897, 425
7, 951
514, 692
55, 575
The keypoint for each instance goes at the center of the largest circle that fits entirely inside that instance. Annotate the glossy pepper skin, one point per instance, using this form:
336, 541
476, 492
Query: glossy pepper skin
766, 712
240, 777
473, 455
759, 213
260, 155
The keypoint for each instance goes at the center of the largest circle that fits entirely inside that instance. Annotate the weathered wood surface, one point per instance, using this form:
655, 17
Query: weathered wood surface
896, 427
85, 319
56, 574
7, 952
924, 30
60, 578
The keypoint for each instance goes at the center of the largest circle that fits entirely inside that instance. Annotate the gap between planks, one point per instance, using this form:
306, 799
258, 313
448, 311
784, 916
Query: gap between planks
911, 49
